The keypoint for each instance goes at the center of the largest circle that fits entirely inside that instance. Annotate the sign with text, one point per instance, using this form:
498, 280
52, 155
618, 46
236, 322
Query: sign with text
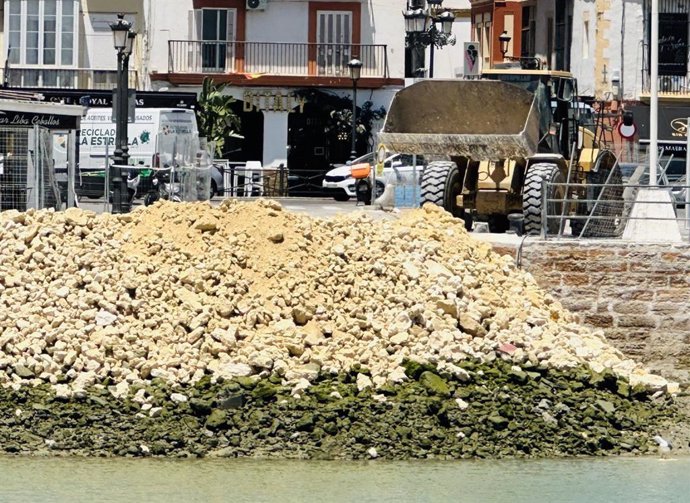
28, 119
673, 43
272, 101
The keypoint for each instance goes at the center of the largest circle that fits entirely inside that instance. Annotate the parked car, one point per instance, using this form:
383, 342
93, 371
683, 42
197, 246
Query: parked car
339, 183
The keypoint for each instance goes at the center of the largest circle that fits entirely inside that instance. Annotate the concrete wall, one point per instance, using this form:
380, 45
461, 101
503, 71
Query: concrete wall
638, 294
611, 46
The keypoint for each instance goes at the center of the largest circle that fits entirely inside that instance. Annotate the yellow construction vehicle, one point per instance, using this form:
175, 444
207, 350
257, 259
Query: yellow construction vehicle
501, 140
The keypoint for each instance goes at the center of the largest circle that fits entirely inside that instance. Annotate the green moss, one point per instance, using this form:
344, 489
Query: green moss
511, 413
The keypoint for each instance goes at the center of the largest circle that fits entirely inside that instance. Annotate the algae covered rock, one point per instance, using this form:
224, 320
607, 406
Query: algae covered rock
434, 384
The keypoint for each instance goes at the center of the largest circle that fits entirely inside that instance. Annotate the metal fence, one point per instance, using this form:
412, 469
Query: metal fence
250, 179
27, 174
617, 208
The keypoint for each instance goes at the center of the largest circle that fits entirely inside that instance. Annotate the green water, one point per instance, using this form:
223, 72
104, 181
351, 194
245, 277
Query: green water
625, 480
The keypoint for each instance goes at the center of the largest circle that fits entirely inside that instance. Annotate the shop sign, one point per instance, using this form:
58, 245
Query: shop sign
274, 101
672, 125
679, 127
25, 119
95, 98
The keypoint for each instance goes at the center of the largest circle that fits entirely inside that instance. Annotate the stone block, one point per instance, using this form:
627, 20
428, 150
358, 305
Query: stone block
575, 279
631, 307
637, 321
599, 320
677, 295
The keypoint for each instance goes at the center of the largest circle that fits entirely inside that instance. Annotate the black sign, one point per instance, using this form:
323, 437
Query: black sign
104, 98
672, 126
673, 44
29, 119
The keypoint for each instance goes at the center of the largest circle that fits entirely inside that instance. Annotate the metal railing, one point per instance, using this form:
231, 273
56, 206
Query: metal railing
672, 77
243, 180
275, 58
668, 84
27, 174
609, 218
70, 78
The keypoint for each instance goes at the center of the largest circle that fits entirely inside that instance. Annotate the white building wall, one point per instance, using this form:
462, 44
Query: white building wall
168, 20
583, 45
448, 61
612, 48
632, 42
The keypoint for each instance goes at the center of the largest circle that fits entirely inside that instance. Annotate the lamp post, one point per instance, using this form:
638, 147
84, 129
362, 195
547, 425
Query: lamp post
123, 39
420, 26
504, 39
355, 66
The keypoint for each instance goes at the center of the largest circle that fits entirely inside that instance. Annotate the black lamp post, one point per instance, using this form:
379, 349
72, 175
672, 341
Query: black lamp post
504, 40
355, 66
420, 26
123, 39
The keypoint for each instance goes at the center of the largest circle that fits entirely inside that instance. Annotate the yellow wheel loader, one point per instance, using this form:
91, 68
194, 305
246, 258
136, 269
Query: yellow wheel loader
500, 141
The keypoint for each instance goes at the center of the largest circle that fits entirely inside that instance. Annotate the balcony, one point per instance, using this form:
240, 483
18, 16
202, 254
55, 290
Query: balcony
278, 61
66, 78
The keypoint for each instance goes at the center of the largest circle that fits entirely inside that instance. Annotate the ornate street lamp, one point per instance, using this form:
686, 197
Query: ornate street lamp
420, 26
123, 40
504, 39
355, 66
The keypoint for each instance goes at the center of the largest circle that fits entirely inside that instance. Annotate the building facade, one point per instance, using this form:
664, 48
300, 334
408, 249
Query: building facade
541, 30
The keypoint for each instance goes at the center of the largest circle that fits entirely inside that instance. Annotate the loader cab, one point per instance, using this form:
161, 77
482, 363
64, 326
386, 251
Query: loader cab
557, 104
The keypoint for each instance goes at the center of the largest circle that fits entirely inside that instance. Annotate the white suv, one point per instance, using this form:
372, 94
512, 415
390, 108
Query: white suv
397, 167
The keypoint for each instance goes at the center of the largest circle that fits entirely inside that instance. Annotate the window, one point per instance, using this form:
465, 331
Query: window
482, 33
563, 34
529, 32
41, 32
215, 29
334, 36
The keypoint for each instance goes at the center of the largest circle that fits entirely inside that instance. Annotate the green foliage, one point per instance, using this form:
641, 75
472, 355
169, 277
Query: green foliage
215, 118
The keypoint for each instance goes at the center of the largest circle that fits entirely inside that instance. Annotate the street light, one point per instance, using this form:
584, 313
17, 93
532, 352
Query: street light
355, 66
504, 40
420, 26
123, 39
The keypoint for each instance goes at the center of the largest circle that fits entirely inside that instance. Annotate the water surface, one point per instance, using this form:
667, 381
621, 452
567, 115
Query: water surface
624, 480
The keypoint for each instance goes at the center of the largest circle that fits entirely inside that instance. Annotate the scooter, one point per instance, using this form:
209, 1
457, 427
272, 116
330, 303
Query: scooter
163, 188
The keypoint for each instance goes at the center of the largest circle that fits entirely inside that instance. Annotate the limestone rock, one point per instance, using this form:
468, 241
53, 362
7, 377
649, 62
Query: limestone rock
181, 291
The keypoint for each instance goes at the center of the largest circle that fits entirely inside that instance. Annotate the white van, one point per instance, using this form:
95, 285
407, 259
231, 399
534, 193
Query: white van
98, 131
150, 137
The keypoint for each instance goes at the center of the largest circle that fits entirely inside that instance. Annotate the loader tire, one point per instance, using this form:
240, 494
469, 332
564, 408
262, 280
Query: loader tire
440, 182
532, 197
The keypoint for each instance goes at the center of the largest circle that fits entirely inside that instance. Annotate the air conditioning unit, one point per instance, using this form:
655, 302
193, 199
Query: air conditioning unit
256, 4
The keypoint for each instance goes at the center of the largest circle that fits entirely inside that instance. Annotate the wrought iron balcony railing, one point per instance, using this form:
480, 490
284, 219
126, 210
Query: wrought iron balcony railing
668, 84
69, 78
275, 58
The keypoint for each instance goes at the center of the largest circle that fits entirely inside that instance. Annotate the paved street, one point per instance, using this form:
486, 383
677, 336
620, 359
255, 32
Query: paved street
317, 207
327, 208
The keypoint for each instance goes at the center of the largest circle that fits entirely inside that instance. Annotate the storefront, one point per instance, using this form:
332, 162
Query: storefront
27, 130
672, 126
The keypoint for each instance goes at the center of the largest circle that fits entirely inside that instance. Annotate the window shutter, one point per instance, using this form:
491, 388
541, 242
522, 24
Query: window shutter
194, 47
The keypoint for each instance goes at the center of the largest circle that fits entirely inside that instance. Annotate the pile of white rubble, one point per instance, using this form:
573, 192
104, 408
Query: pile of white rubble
179, 290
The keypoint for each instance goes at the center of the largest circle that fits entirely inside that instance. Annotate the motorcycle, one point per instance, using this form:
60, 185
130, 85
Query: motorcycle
163, 188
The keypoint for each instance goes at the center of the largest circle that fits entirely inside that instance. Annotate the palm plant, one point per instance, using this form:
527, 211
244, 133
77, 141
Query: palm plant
215, 117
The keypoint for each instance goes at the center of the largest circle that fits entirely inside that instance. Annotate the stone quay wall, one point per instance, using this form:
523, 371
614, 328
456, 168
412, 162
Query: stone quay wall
639, 294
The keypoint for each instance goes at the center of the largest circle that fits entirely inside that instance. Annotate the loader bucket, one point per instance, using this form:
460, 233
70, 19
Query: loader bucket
479, 119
